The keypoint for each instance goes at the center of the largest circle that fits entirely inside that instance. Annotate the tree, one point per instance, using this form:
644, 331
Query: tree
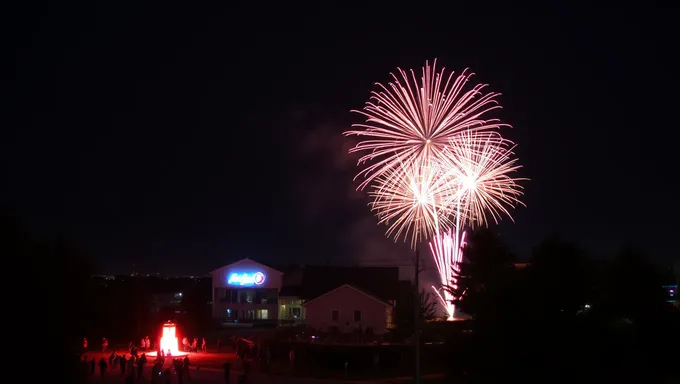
484, 276
60, 275
405, 309
560, 281
195, 304
632, 287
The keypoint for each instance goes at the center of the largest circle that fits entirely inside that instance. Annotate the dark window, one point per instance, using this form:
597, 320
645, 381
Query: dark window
335, 315
265, 297
297, 312
246, 297
230, 296
357, 316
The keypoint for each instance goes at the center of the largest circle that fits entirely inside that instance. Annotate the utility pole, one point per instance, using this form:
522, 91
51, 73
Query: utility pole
416, 324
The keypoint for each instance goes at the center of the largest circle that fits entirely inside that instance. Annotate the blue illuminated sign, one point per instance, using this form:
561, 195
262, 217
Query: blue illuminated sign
246, 279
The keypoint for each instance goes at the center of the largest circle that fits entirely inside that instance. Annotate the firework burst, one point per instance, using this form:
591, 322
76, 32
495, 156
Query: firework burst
412, 199
435, 163
409, 120
478, 166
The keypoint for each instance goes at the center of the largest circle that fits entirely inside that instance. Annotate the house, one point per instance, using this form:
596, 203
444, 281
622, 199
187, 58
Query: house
381, 282
246, 291
306, 282
348, 309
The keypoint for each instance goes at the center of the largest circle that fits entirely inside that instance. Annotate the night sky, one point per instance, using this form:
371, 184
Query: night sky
181, 139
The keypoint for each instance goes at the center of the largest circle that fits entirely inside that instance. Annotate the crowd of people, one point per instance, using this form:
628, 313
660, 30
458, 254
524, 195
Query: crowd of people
146, 344
131, 364
132, 367
193, 345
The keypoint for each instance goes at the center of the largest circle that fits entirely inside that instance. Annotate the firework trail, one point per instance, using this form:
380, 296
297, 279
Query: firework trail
477, 167
447, 251
435, 163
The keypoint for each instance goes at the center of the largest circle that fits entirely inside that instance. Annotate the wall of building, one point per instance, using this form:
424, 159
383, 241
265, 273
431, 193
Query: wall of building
346, 300
224, 285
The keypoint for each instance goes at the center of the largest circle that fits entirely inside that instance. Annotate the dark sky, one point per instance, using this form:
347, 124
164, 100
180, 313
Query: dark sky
183, 138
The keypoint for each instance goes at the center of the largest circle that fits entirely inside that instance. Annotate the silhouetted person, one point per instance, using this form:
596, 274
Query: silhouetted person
140, 366
102, 367
156, 372
123, 365
167, 375
179, 370
186, 364
131, 366
227, 371
267, 359
93, 364
246, 369
84, 369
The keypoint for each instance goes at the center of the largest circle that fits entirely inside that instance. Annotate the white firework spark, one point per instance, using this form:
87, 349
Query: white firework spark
410, 119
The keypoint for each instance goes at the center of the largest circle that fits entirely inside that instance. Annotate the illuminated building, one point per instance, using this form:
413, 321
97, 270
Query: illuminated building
246, 291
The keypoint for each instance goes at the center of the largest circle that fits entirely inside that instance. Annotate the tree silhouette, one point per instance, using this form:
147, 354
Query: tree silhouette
560, 279
485, 275
195, 304
405, 309
632, 287
59, 279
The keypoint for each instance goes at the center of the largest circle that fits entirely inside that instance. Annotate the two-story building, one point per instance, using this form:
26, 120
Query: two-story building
246, 291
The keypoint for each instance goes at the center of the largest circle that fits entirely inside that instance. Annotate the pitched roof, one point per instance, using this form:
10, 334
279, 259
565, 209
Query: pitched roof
351, 287
250, 260
381, 282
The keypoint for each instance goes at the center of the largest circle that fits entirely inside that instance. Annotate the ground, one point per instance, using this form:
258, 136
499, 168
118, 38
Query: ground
207, 368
